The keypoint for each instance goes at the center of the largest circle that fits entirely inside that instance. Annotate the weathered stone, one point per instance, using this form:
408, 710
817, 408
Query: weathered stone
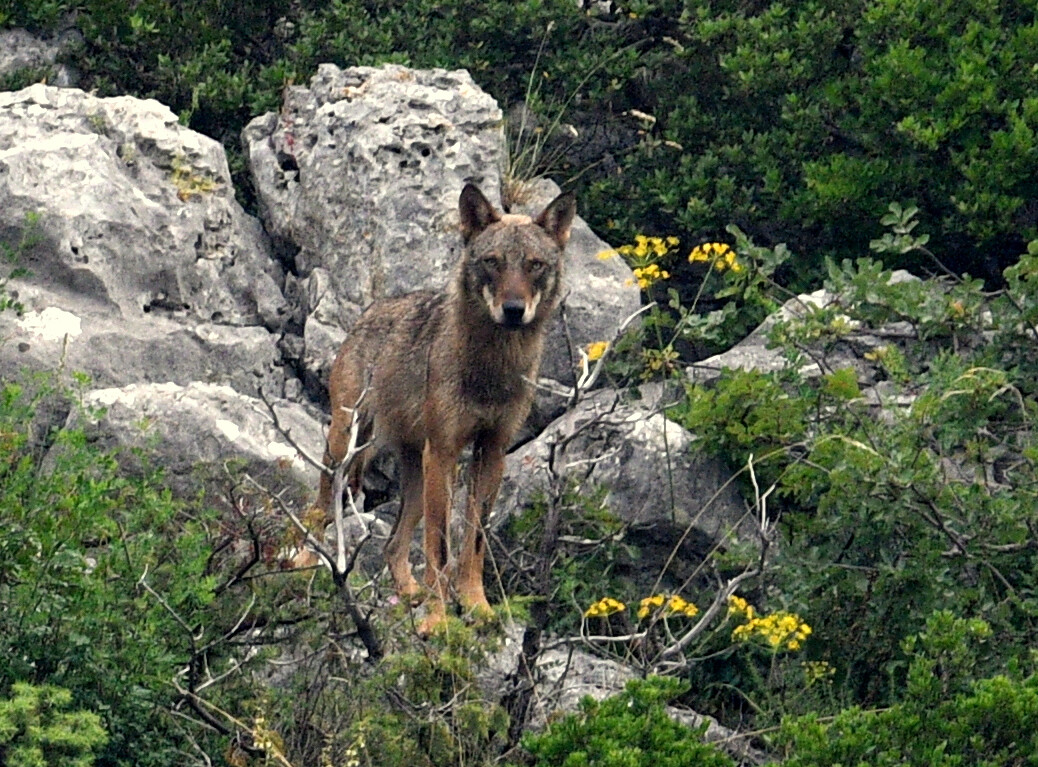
193, 431
135, 212
63, 331
652, 479
752, 353
21, 51
359, 176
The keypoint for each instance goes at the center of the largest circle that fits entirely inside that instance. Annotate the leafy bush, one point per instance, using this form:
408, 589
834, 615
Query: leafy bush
35, 731
803, 121
796, 123
947, 718
628, 730
919, 497
78, 539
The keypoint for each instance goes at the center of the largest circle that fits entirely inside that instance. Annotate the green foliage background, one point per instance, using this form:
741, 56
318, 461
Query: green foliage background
798, 122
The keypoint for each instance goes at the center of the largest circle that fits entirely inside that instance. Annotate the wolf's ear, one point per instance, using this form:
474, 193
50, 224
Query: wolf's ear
557, 218
476, 212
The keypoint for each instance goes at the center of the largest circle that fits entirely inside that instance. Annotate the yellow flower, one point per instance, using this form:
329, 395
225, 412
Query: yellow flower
781, 629
647, 275
673, 604
605, 255
596, 349
719, 254
647, 605
604, 607
739, 606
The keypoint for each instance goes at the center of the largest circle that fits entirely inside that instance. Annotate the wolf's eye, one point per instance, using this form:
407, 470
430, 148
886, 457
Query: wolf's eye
535, 267
489, 263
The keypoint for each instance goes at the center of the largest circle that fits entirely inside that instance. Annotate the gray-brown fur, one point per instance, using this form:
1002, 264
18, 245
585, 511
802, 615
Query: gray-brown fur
444, 370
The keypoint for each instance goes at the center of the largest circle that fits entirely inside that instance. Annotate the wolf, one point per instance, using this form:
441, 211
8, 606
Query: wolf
432, 372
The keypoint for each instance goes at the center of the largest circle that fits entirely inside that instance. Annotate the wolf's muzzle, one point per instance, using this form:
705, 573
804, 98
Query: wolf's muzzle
512, 313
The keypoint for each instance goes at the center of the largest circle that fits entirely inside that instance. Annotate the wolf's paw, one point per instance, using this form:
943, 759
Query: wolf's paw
435, 619
477, 610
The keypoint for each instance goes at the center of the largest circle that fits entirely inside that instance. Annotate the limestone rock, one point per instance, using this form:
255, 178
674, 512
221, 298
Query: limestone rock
358, 177
192, 431
652, 479
22, 51
135, 213
61, 331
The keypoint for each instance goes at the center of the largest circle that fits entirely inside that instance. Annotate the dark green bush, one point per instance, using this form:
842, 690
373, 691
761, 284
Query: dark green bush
631, 729
948, 717
928, 505
106, 583
799, 122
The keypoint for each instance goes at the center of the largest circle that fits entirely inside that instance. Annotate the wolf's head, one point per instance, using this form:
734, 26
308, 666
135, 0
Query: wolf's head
511, 263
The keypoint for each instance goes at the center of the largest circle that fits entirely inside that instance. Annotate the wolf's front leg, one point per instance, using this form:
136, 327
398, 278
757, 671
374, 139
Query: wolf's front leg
438, 474
488, 464
398, 549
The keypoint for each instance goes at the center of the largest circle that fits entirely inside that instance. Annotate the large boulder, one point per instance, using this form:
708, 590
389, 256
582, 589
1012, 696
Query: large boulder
358, 178
670, 495
135, 212
140, 265
192, 432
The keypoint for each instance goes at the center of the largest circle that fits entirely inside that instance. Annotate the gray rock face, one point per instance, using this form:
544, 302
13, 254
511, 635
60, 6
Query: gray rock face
144, 273
202, 426
136, 213
653, 479
752, 353
359, 176
19, 50
361, 172
61, 331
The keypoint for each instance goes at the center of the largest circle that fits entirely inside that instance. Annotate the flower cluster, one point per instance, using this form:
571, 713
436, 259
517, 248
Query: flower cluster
644, 257
647, 249
717, 253
669, 605
739, 606
264, 738
596, 349
604, 607
778, 630
648, 275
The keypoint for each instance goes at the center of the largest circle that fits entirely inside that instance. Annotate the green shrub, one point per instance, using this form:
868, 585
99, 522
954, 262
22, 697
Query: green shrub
631, 729
799, 123
926, 506
106, 582
36, 731
948, 718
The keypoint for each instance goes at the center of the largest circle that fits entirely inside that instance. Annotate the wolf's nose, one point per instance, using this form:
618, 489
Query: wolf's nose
513, 312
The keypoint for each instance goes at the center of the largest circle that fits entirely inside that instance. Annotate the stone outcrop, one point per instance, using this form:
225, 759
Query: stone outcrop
141, 266
358, 178
652, 480
185, 429
21, 52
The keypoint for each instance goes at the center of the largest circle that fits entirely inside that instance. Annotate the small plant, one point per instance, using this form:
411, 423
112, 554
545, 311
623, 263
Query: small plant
632, 728
11, 254
37, 730
188, 183
948, 716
